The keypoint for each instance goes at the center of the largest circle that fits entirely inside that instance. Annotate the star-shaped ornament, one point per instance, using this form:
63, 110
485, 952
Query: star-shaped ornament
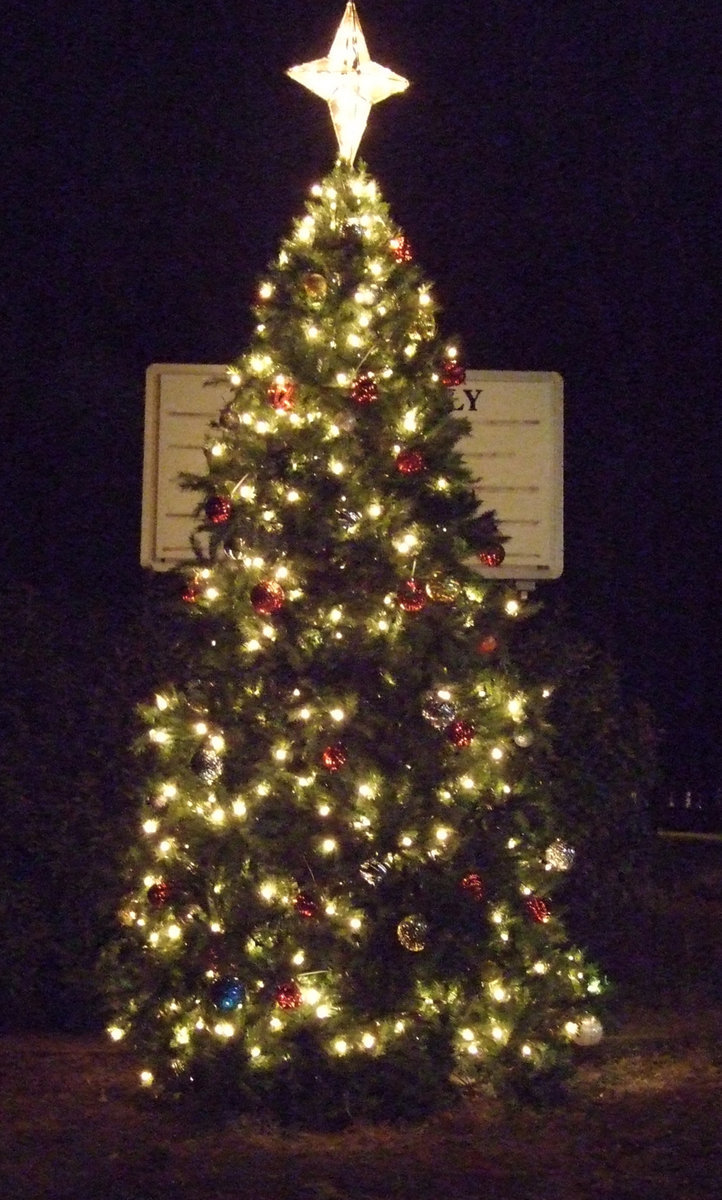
349, 82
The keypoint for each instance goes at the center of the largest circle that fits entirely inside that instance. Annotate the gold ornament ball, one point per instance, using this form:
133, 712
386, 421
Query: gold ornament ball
412, 932
315, 287
441, 590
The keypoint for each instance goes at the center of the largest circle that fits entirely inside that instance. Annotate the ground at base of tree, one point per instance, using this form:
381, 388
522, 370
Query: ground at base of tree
641, 1120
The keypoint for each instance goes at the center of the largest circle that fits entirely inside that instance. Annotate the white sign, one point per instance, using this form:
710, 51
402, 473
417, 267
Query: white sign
514, 452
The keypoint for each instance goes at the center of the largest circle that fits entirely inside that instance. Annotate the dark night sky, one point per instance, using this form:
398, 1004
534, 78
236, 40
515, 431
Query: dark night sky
555, 166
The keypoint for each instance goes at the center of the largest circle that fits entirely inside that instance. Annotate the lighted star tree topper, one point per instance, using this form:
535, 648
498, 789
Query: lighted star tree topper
349, 82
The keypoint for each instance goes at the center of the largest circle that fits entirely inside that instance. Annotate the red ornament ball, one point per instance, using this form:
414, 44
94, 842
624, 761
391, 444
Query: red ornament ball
267, 597
473, 885
334, 757
159, 894
282, 394
401, 249
460, 734
288, 995
538, 909
491, 556
487, 644
191, 592
411, 596
305, 905
364, 390
218, 509
410, 462
452, 373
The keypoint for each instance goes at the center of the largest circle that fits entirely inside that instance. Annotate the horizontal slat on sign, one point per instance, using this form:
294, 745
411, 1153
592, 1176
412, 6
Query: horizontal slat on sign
514, 452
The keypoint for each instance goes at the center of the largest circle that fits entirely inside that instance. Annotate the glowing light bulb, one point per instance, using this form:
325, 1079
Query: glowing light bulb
146, 1078
115, 1033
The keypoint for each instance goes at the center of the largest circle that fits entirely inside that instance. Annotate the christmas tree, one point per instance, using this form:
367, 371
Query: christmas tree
341, 901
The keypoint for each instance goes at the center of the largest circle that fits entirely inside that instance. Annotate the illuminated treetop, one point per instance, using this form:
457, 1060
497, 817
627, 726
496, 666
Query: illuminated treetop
349, 82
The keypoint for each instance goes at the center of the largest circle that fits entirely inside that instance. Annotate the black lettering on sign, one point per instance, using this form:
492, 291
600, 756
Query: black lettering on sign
472, 397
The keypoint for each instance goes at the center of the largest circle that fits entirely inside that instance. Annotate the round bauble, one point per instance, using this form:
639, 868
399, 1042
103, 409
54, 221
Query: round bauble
524, 738
229, 416
412, 932
334, 757
559, 856
589, 1031
452, 373
282, 394
159, 894
439, 713
228, 993
410, 462
411, 596
442, 590
218, 509
306, 905
373, 872
315, 287
473, 885
538, 909
460, 734
491, 556
364, 390
267, 597
234, 548
487, 645
349, 519
207, 764
288, 995
401, 249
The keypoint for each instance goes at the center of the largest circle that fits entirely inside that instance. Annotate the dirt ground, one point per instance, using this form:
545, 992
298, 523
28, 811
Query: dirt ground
642, 1120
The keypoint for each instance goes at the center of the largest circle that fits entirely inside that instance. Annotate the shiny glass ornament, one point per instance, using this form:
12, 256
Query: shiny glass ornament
288, 995
373, 872
334, 757
559, 856
267, 597
412, 932
491, 556
439, 713
411, 596
228, 993
410, 462
460, 734
218, 509
364, 390
207, 764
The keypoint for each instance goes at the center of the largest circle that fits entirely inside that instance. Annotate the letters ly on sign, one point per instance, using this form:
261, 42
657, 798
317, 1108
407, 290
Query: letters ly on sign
514, 451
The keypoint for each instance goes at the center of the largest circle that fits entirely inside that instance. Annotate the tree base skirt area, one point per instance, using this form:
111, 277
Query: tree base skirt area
641, 1118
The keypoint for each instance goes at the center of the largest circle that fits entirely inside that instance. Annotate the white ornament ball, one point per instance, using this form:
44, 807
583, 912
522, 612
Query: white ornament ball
589, 1032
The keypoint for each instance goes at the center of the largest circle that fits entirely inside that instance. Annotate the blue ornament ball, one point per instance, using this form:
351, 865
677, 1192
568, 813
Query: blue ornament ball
228, 993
